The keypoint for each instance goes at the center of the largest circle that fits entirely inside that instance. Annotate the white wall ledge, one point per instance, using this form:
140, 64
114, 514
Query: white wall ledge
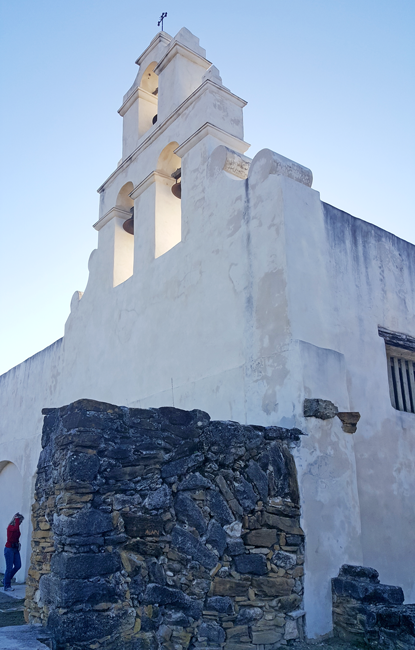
226, 138
138, 93
206, 86
179, 48
112, 214
149, 180
161, 37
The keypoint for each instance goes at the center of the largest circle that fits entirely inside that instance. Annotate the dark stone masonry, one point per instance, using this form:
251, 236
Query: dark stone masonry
369, 614
160, 529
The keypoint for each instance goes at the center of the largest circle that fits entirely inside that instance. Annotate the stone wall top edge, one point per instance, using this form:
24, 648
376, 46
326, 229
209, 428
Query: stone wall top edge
169, 415
332, 211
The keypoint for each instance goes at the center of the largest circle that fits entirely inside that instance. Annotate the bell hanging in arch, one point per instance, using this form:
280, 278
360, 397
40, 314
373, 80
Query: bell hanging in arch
128, 224
177, 187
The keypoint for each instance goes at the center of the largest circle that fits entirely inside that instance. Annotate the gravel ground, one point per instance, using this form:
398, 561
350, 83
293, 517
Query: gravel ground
330, 644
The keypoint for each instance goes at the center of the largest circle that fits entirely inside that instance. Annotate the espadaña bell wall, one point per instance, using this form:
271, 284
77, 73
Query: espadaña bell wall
160, 528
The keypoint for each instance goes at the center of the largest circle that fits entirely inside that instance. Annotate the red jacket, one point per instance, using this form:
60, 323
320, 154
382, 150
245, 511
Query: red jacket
13, 535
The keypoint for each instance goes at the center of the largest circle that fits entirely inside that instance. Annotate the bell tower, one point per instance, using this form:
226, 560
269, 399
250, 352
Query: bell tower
175, 113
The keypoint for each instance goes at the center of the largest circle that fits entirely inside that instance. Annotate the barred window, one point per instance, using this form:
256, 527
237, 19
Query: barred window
400, 354
401, 372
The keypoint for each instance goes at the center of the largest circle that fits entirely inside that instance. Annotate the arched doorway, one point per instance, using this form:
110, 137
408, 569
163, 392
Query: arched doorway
11, 499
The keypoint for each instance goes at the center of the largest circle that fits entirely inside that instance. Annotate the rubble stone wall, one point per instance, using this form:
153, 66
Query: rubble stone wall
370, 614
159, 528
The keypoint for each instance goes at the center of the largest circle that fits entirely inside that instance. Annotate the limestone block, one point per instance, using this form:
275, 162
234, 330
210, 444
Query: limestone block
319, 408
157, 594
219, 508
261, 537
222, 604
273, 586
253, 564
143, 525
188, 512
291, 630
216, 536
284, 560
186, 543
212, 632
266, 637
224, 159
194, 482
85, 565
349, 421
268, 162
88, 522
229, 587
249, 615
245, 495
69, 592
160, 499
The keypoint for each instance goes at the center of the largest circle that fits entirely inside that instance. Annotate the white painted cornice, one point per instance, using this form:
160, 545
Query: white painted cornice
206, 86
162, 37
111, 214
137, 93
225, 138
154, 177
186, 52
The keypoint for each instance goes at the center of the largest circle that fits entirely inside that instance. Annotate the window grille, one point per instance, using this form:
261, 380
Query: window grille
401, 374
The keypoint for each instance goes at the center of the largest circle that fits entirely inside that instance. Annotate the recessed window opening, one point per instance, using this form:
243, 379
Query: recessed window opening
168, 205
400, 354
401, 373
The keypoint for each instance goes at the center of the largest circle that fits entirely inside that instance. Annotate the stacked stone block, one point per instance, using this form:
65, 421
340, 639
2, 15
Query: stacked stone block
169, 531
370, 614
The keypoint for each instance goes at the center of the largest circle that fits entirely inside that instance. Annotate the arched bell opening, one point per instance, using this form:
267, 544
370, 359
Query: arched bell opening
168, 207
149, 99
125, 202
123, 239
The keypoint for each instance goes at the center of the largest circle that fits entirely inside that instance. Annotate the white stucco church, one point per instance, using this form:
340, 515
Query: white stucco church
225, 284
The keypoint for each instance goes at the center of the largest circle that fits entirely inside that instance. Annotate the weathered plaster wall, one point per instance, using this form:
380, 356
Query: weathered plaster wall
23, 392
375, 272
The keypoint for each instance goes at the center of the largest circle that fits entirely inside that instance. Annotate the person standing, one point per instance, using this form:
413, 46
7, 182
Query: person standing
12, 551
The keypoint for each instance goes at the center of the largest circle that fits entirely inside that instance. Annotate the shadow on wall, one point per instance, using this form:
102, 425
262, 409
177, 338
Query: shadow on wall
11, 499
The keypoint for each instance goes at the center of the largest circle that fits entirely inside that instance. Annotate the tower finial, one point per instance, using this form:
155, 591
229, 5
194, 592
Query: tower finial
160, 22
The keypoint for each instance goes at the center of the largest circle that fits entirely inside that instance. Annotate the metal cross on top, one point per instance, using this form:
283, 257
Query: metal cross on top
162, 17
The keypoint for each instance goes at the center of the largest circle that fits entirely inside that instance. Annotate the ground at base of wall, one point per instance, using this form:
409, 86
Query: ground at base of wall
11, 611
23, 637
329, 644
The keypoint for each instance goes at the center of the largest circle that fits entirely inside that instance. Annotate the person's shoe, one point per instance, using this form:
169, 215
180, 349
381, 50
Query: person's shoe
9, 589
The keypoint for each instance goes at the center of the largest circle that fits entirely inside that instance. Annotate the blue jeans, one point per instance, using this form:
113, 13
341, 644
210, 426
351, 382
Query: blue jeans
13, 564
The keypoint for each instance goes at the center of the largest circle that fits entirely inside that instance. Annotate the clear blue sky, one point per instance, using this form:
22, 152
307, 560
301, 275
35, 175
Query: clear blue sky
329, 83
